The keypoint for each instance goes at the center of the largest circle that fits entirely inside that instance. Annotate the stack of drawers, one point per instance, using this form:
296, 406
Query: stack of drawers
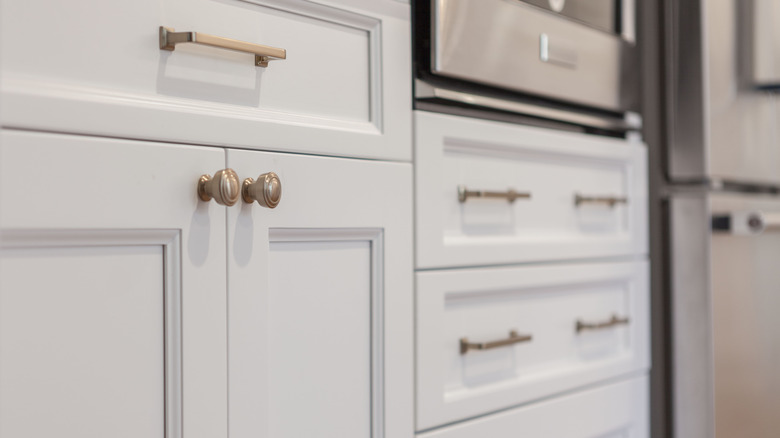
532, 313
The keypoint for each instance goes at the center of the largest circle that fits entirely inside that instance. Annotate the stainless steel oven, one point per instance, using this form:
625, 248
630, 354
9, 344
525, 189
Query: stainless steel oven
572, 61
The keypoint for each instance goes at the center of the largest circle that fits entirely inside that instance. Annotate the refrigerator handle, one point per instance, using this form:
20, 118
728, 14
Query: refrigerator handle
745, 222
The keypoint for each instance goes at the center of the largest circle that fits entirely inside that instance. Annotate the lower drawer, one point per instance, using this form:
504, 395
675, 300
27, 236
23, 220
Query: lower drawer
489, 339
617, 410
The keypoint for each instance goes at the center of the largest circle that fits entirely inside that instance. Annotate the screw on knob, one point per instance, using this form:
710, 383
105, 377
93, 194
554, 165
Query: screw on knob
223, 187
267, 190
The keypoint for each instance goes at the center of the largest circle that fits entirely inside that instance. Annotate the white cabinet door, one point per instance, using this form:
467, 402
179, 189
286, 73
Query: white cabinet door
320, 301
112, 290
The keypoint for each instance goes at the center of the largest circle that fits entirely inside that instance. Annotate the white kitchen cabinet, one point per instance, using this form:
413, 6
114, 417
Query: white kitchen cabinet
532, 290
615, 410
96, 67
578, 196
129, 307
574, 324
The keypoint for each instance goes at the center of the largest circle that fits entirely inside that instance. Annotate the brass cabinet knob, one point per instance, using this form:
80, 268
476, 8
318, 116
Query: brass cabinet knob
223, 187
267, 190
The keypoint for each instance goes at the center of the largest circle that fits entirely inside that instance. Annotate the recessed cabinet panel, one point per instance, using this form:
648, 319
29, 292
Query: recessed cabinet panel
615, 410
491, 193
99, 69
489, 339
320, 338
82, 342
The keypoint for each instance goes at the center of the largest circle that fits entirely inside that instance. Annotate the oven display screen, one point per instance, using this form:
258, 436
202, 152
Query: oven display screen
601, 14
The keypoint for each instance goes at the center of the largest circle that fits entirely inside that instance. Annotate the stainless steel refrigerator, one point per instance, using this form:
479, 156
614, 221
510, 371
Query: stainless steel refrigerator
723, 170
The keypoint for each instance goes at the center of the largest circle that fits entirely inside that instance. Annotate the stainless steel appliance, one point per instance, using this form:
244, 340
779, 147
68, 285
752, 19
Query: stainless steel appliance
723, 209
567, 60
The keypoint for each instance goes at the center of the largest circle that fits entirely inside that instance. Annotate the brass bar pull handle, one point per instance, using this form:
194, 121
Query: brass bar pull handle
514, 338
612, 322
611, 201
169, 38
510, 195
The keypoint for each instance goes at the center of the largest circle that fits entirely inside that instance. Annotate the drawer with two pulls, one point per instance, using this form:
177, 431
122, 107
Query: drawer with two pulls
492, 338
490, 193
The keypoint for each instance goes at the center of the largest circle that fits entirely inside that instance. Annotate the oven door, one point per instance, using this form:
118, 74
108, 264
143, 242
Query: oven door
573, 51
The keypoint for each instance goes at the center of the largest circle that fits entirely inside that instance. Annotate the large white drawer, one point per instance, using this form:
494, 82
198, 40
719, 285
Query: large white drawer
96, 67
568, 312
453, 153
617, 410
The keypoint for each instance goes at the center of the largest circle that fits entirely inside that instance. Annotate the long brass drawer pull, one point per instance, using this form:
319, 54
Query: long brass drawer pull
514, 338
510, 195
613, 321
611, 201
263, 54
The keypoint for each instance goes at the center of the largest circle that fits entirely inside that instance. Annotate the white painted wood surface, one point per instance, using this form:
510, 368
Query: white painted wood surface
321, 301
113, 319
82, 341
543, 301
94, 67
615, 410
552, 166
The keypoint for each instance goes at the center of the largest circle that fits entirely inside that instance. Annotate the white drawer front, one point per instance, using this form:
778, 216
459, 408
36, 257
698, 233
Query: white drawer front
544, 302
91, 66
618, 410
553, 167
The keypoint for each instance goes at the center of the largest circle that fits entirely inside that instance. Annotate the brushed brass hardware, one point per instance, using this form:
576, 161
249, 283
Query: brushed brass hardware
267, 190
510, 195
611, 201
169, 38
612, 322
514, 338
223, 187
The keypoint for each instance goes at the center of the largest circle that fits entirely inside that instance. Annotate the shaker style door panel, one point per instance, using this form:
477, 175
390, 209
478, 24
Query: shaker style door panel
615, 410
112, 293
490, 339
320, 299
97, 67
491, 193
82, 338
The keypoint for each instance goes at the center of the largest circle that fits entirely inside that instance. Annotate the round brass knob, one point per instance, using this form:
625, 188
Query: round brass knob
267, 190
223, 187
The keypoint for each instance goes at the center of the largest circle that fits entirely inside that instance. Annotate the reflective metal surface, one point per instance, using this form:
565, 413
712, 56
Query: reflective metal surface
223, 187
510, 195
267, 190
726, 335
614, 321
514, 338
499, 43
766, 43
691, 317
722, 126
610, 201
601, 14
263, 54
746, 329
610, 123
